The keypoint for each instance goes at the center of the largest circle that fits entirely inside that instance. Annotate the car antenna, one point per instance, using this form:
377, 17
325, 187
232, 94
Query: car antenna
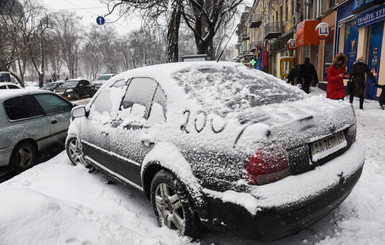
226, 44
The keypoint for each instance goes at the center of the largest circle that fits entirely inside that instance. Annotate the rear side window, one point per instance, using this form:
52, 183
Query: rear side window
52, 103
22, 107
13, 87
140, 91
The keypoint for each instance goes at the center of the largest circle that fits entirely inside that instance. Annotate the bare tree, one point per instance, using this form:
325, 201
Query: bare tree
203, 17
69, 39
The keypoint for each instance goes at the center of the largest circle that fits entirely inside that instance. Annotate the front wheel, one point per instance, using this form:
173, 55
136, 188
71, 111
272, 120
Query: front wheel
23, 156
172, 206
75, 152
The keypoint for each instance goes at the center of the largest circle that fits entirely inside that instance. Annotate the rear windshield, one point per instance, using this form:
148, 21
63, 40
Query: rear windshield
230, 88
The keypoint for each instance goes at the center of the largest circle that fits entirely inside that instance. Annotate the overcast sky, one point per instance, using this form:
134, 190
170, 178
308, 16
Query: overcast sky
89, 10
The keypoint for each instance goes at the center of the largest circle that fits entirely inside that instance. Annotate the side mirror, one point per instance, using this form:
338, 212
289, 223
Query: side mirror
78, 111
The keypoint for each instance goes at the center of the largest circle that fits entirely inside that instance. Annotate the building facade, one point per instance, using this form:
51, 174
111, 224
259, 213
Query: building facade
356, 29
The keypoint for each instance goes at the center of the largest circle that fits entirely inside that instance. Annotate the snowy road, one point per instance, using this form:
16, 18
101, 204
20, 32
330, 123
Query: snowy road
57, 203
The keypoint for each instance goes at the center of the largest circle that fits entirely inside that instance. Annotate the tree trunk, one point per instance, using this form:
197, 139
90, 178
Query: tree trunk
173, 33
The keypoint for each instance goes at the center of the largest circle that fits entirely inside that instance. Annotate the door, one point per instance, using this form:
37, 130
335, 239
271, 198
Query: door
374, 59
141, 112
98, 125
58, 113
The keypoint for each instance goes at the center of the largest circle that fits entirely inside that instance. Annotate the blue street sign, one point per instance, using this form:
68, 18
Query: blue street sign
100, 20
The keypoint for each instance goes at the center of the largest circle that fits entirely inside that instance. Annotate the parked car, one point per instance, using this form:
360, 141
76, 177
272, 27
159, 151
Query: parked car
100, 80
75, 89
9, 85
30, 121
52, 85
221, 145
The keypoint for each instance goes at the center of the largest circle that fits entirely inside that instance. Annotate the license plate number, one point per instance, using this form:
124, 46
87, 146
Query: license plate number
326, 146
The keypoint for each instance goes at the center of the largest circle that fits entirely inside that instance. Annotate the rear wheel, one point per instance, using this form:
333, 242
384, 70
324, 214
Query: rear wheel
172, 206
75, 152
23, 156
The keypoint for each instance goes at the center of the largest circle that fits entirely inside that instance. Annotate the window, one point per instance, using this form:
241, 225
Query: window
52, 103
3, 87
159, 106
13, 87
141, 92
22, 107
108, 100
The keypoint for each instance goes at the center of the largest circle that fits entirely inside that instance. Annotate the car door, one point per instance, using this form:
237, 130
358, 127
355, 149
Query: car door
132, 134
58, 113
97, 126
27, 121
85, 88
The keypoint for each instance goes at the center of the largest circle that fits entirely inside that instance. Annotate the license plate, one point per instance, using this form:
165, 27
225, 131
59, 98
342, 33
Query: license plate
326, 146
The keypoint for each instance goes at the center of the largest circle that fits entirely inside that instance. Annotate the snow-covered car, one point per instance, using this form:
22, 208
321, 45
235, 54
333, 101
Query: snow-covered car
30, 121
221, 146
75, 89
100, 80
9, 85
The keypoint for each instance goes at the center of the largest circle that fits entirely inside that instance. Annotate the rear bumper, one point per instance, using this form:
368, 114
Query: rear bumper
285, 207
273, 223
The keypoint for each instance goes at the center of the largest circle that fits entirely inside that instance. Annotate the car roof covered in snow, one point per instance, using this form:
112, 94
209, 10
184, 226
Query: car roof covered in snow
9, 93
222, 87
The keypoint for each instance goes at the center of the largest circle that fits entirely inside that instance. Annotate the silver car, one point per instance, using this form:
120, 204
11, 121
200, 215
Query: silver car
30, 121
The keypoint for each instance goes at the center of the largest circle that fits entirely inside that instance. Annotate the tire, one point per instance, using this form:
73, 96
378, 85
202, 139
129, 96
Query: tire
23, 156
76, 96
172, 206
75, 152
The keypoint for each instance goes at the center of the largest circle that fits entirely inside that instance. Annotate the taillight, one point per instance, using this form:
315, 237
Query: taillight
268, 164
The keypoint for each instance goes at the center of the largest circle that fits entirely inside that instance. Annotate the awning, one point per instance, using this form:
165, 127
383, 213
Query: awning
305, 34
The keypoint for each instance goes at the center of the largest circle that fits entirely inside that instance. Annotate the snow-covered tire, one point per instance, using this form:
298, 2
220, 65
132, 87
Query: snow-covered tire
172, 205
75, 152
23, 156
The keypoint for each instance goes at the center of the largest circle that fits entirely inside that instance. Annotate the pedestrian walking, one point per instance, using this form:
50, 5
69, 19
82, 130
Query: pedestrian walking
335, 88
308, 75
382, 95
358, 85
293, 75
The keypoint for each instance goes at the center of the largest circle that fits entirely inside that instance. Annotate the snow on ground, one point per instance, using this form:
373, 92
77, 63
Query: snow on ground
57, 203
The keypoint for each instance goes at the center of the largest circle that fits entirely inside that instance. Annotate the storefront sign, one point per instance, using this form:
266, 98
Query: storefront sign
322, 30
291, 44
360, 5
305, 33
376, 15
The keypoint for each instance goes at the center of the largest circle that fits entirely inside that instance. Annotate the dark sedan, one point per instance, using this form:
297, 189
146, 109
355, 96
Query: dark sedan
52, 85
75, 89
221, 146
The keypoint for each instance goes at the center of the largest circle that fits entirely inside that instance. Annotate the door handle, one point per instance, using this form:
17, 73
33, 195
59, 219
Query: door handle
53, 121
147, 142
104, 134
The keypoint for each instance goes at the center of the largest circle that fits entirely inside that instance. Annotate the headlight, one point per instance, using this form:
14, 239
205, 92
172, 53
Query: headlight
69, 90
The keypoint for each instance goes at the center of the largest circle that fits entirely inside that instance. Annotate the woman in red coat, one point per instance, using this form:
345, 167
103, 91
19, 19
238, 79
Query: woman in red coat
336, 73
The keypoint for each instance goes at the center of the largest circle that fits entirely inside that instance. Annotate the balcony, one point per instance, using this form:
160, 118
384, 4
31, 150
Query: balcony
253, 45
272, 30
245, 35
255, 21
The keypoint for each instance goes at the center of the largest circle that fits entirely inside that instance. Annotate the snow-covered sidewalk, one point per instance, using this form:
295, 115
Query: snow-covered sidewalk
57, 203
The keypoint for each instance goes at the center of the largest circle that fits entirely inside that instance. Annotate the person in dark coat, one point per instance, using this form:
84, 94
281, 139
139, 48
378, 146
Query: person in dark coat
293, 74
335, 88
382, 95
358, 86
308, 75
